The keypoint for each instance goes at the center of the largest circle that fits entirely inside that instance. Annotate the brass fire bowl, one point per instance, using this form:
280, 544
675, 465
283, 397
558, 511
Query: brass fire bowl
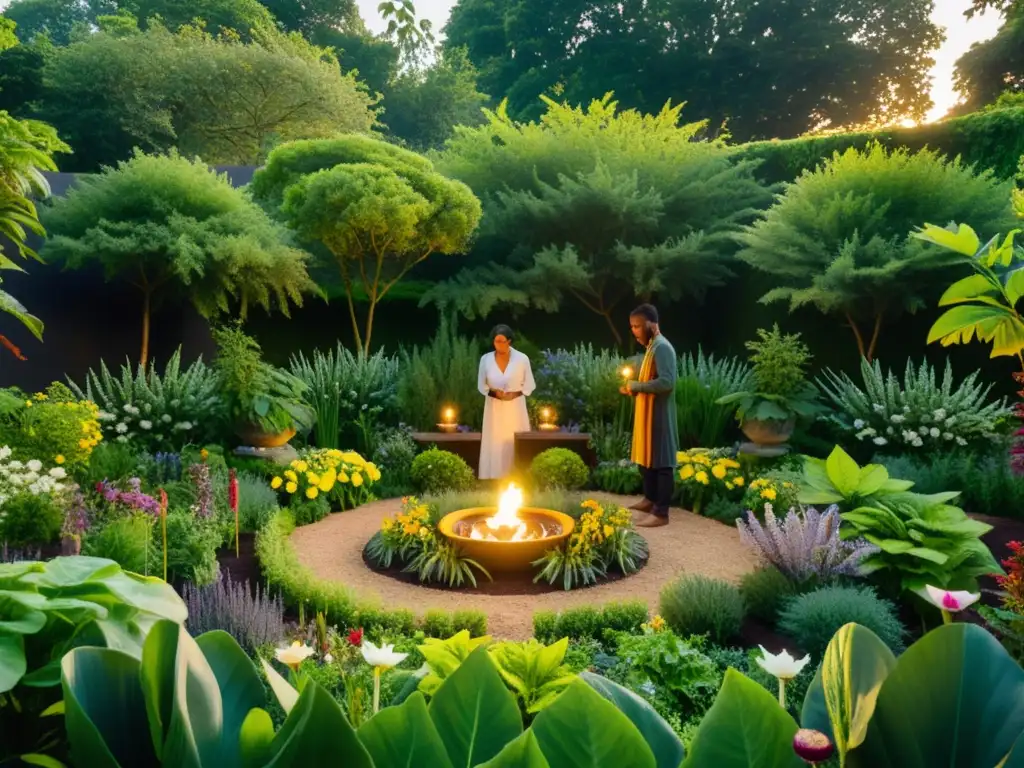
508, 556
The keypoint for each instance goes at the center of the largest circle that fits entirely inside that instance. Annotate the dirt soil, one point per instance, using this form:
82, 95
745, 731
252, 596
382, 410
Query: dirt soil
333, 549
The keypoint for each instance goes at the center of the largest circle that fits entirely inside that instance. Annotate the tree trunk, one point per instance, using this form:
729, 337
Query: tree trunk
874, 336
146, 309
615, 331
369, 326
857, 334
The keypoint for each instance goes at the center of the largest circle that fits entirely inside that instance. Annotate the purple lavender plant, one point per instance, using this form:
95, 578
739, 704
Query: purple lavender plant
804, 544
200, 475
252, 619
76, 518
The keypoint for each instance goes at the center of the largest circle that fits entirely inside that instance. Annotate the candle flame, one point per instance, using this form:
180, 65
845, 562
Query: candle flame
508, 513
449, 415
627, 372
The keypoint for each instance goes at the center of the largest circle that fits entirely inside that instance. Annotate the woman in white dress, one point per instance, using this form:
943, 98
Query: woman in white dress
506, 380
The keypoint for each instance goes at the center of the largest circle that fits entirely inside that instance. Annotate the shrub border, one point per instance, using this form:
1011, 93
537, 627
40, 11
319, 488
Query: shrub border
299, 586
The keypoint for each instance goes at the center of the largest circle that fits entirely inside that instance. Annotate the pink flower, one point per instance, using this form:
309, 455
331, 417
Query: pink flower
947, 600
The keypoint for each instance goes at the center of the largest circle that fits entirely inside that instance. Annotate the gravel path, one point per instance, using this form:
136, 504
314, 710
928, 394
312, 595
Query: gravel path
333, 547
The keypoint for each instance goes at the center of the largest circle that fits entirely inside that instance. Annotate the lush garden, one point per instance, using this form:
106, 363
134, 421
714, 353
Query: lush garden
155, 608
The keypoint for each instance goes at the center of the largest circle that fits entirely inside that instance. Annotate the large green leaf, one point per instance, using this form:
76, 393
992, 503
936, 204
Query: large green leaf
955, 698
241, 689
745, 728
843, 472
583, 730
963, 240
21, 613
404, 736
666, 746
105, 711
474, 713
16, 309
522, 752
315, 728
12, 660
843, 693
179, 684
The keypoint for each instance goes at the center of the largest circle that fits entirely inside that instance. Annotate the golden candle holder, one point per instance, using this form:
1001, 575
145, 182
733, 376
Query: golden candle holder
547, 420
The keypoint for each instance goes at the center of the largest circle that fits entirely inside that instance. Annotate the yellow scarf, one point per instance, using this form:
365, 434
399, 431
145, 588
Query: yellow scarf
643, 451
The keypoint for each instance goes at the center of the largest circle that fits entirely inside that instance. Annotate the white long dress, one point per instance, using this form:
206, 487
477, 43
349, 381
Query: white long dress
502, 419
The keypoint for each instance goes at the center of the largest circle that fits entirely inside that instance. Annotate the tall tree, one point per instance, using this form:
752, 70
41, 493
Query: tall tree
422, 107
995, 66
763, 69
218, 97
26, 148
378, 210
56, 19
414, 37
839, 239
169, 226
241, 16
598, 206
309, 16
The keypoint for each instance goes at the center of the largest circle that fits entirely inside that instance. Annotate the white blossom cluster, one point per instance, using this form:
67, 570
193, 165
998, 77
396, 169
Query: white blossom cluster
133, 420
32, 477
911, 429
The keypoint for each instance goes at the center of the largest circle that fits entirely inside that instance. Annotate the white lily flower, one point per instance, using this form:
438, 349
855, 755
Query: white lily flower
294, 654
949, 602
383, 657
782, 665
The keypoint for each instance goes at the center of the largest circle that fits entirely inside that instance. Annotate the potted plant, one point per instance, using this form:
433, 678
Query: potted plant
266, 403
783, 394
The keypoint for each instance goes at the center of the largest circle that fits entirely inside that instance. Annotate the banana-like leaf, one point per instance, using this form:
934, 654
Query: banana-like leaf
963, 240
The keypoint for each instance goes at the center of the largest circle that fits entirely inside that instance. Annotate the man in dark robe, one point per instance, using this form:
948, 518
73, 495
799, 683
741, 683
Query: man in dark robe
655, 436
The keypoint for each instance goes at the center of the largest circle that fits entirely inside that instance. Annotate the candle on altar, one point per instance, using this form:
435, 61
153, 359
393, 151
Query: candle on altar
547, 419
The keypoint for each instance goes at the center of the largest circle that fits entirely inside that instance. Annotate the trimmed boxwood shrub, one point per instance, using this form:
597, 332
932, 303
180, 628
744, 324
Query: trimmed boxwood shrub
435, 472
559, 468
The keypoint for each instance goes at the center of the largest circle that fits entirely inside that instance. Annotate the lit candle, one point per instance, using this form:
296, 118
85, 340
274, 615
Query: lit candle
547, 418
627, 373
449, 416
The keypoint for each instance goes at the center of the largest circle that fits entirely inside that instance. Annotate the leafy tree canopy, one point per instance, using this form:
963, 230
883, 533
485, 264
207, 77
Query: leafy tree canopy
310, 16
378, 209
995, 66
770, 69
217, 97
171, 226
596, 205
839, 238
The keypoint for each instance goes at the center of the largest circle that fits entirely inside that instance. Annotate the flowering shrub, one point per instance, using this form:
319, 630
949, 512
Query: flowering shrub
805, 545
704, 474
344, 477
581, 385
771, 489
29, 477
1012, 583
603, 538
154, 411
130, 500
919, 413
51, 426
410, 538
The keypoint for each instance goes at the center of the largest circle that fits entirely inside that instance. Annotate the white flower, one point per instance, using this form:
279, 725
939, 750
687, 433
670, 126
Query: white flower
782, 666
890, 431
121, 428
878, 408
897, 418
939, 414
58, 473
382, 657
16, 465
934, 432
166, 418
858, 423
183, 426
328, 658
947, 436
918, 442
175, 403
950, 422
144, 424
30, 477
128, 408
5, 453
122, 438
961, 441
147, 407
35, 465
293, 654
949, 601
880, 441
910, 435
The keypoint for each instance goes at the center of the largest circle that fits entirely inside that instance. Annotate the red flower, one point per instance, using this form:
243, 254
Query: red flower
163, 503
355, 637
233, 492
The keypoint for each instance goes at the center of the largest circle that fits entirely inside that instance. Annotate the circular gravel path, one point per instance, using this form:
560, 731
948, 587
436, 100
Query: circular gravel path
333, 549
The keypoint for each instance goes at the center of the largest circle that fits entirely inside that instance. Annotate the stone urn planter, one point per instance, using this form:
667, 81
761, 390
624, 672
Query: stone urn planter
70, 546
768, 432
253, 436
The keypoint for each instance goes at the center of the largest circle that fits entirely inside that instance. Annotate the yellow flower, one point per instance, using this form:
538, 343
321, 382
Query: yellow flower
40, 396
372, 472
718, 471
291, 487
327, 480
608, 530
342, 478
768, 493
702, 477
387, 524
357, 479
291, 476
28, 403
686, 472
276, 483
787, 485
204, 454
83, 444
312, 478
738, 480
311, 493
59, 459
657, 623
729, 486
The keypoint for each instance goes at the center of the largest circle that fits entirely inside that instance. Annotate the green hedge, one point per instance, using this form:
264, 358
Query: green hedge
993, 139
344, 609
